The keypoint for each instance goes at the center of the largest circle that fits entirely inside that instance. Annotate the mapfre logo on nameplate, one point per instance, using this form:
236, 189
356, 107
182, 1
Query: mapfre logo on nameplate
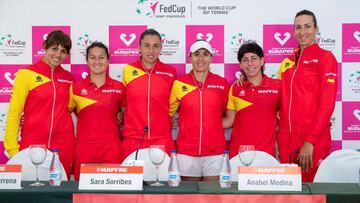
278, 178
10, 176
110, 177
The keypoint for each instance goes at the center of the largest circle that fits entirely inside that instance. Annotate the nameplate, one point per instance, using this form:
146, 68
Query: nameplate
10, 176
276, 178
110, 177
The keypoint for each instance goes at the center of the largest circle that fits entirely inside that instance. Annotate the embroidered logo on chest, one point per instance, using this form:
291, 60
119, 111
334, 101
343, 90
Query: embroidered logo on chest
83, 92
111, 91
311, 61
268, 91
164, 73
216, 87
135, 73
184, 88
242, 93
39, 78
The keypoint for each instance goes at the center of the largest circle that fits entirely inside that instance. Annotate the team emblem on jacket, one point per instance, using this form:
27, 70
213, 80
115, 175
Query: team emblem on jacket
135, 73
83, 92
184, 88
39, 79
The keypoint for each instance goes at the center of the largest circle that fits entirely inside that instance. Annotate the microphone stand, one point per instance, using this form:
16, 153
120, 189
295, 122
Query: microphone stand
137, 150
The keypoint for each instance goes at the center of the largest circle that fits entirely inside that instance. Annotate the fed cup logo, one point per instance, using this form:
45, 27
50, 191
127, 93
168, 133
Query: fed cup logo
146, 8
282, 39
127, 40
357, 36
355, 77
209, 36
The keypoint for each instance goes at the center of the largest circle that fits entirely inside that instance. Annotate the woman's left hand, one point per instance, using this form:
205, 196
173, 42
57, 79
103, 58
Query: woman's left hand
305, 157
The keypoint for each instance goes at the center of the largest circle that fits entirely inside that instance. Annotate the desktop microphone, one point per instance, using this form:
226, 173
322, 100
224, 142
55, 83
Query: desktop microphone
146, 129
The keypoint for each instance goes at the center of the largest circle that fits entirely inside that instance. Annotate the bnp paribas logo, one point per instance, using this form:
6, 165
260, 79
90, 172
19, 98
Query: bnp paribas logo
84, 40
146, 7
7, 41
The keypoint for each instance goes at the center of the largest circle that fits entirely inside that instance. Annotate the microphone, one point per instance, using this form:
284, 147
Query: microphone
146, 129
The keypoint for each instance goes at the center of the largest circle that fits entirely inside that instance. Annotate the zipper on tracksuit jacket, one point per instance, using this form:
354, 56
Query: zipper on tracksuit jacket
53, 108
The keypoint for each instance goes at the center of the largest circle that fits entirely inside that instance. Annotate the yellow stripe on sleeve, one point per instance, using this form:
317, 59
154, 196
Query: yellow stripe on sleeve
130, 73
285, 64
235, 103
82, 102
178, 91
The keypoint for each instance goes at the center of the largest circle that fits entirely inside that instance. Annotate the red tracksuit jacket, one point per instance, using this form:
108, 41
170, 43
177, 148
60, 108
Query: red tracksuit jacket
309, 85
200, 113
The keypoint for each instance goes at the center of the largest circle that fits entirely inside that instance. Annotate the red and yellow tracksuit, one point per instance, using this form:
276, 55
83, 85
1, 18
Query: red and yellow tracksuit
309, 84
98, 129
147, 106
41, 94
200, 114
256, 108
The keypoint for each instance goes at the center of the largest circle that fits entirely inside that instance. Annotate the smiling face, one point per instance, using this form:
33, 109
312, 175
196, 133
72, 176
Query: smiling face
150, 48
97, 61
305, 30
55, 55
251, 64
201, 60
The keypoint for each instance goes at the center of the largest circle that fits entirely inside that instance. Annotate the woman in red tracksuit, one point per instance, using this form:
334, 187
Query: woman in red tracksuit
148, 84
253, 106
309, 84
98, 100
200, 98
41, 96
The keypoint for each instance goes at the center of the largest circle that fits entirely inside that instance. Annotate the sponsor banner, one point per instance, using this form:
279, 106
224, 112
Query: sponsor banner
197, 198
7, 75
269, 178
335, 145
124, 43
12, 48
162, 9
336, 122
339, 78
3, 117
10, 176
350, 81
39, 35
351, 144
214, 34
278, 42
79, 71
351, 42
110, 177
233, 41
232, 72
351, 120
116, 71
180, 69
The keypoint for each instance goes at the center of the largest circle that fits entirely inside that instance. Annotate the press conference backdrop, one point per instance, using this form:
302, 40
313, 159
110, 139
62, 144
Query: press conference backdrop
226, 24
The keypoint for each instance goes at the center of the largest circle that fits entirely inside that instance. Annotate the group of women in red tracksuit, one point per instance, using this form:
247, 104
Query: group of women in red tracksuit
300, 102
